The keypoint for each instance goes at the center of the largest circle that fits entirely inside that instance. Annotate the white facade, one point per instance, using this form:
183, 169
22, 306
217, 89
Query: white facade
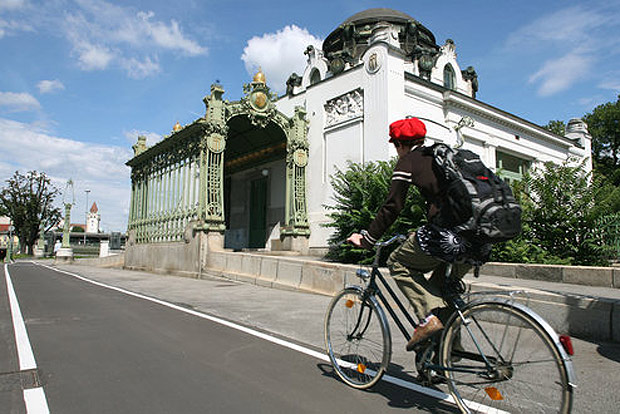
349, 114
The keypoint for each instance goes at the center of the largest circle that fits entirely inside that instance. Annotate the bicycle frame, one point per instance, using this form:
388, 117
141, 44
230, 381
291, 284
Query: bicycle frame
455, 300
374, 289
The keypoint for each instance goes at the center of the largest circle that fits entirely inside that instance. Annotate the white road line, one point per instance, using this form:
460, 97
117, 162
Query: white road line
24, 350
35, 400
36, 403
319, 355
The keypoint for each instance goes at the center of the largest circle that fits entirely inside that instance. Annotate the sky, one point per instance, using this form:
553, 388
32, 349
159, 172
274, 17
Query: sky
81, 79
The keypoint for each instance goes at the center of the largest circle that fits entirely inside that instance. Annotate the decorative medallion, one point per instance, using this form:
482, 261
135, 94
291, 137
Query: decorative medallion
300, 158
259, 100
374, 63
336, 65
216, 143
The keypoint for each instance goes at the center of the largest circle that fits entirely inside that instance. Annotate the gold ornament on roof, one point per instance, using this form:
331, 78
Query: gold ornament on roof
177, 127
259, 77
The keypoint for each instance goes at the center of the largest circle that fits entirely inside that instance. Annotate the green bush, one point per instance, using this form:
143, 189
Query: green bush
359, 192
561, 206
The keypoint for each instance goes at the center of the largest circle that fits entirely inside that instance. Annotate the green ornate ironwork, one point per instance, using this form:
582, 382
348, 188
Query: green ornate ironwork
296, 215
179, 182
165, 187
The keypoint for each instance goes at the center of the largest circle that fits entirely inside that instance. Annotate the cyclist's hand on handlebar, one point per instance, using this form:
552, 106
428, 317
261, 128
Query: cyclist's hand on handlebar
355, 239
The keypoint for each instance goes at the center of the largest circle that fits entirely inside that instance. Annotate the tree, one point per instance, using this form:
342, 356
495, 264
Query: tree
604, 126
29, 202
557, 127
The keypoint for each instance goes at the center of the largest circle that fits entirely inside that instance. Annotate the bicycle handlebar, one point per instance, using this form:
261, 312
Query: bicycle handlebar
399, 237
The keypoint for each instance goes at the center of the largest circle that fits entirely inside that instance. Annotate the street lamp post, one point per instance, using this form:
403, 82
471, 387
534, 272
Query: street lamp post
86, 216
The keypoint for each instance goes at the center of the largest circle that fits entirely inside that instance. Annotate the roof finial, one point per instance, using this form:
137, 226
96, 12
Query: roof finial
259, 77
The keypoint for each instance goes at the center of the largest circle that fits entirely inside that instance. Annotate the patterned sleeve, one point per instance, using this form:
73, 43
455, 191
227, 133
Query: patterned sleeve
401, 180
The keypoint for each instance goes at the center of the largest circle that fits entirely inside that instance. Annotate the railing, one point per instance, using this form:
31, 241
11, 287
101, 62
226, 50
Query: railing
166, 192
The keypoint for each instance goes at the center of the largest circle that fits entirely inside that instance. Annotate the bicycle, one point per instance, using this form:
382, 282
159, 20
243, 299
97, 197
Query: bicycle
495, 354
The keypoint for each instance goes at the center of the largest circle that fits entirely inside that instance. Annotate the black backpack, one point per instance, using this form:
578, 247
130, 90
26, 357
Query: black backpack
474, 202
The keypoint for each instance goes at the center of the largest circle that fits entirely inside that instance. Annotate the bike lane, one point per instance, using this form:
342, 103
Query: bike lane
105, 351
20, 387
11, 394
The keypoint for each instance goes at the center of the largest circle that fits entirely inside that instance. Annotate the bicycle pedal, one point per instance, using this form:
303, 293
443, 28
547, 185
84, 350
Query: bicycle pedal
421, 347
430, 379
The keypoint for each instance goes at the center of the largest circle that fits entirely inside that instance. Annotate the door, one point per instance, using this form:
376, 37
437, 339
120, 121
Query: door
258, 213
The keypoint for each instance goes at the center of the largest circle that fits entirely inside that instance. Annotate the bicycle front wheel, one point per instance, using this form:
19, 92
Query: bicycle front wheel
499, 359
357, 338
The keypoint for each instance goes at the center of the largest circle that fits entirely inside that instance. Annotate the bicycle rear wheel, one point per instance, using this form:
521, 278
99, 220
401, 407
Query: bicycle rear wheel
524, 371
357, 338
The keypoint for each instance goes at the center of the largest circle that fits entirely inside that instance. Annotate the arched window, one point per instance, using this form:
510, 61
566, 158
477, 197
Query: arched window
315, 76
449, 81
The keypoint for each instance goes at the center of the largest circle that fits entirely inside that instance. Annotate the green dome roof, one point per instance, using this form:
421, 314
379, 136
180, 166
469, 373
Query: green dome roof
350, 40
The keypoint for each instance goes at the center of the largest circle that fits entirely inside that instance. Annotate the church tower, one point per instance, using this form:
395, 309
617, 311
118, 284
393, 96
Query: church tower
94, 219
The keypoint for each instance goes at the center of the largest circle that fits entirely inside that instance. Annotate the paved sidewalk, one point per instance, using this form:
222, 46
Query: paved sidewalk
298, 317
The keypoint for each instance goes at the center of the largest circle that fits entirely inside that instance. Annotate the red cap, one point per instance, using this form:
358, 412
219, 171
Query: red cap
409, 129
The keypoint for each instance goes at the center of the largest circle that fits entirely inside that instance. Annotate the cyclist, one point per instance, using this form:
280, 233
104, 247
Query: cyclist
427, 249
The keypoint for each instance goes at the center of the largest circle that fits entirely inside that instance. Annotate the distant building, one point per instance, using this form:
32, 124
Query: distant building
93, 221
5, 223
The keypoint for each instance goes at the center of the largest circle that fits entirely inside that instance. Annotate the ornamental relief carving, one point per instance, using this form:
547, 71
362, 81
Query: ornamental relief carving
344, 108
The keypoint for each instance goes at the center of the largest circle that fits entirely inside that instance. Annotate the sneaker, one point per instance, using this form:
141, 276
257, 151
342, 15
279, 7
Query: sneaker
431, 326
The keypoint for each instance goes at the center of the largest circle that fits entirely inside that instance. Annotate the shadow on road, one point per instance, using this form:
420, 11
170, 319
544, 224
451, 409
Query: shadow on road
610, 351
399, 397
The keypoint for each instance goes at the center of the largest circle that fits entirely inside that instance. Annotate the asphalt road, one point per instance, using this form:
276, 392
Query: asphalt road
99, 350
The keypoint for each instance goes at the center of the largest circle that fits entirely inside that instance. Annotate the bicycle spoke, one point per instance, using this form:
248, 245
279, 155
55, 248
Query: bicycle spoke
356, 339
534, 382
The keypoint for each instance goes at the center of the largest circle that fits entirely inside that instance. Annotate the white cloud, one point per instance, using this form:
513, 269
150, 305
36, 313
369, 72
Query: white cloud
49, 86
93, 57
12, 4
560, 74
97, 167
572, 39
139, 70
612, 83
103, 33
279, 54
8, 27
152, 138
573, 25
18, 102
168, 37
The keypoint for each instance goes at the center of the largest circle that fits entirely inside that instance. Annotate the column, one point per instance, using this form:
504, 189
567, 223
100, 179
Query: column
296, 230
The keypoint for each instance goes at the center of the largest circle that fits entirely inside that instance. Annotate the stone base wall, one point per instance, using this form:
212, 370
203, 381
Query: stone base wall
174, 258
576, 275
116, 260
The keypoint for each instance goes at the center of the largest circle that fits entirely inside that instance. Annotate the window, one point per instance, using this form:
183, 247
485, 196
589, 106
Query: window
510, 167
449, 81
315, 76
